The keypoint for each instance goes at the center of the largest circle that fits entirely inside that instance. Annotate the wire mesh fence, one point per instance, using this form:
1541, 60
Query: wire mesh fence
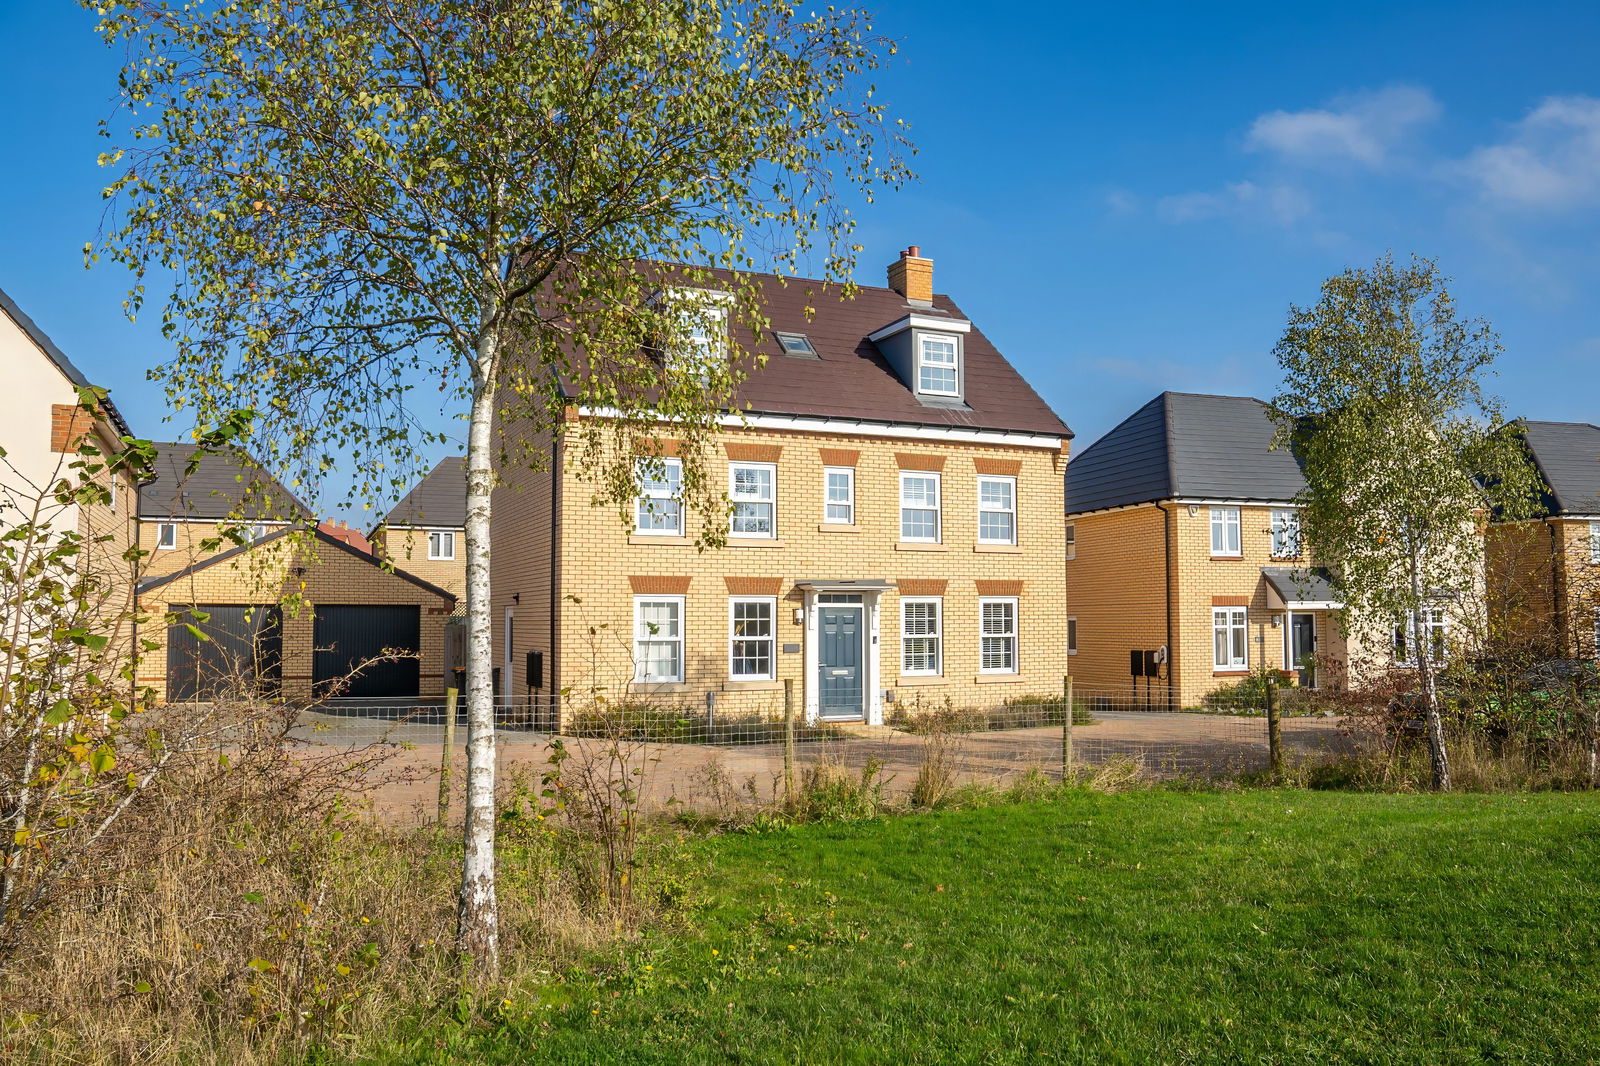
687, 751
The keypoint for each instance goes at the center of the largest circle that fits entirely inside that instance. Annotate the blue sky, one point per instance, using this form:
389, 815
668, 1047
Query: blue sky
1125, 199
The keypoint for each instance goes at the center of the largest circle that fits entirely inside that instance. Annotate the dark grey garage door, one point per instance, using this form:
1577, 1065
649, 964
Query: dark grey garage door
241, 651
348, 636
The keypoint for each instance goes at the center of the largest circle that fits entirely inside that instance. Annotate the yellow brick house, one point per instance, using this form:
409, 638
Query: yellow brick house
1544, 572
895, 538
1184, 554
426, 531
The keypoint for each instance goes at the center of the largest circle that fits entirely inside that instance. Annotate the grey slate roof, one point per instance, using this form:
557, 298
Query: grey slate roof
1568, 457
222, 486
58, 357
1184, 445
439, 499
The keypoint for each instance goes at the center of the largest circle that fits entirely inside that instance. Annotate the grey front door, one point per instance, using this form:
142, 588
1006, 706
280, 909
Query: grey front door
1303, 647
839, 661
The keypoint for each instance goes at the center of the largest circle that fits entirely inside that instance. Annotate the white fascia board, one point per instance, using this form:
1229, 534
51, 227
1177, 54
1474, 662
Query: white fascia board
859, 428
1312, 605
943, 325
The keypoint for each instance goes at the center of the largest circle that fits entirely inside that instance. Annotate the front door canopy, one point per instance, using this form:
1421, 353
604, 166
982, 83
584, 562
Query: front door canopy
850, 584
1292, 588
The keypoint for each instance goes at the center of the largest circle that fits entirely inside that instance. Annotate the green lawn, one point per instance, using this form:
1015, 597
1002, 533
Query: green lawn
1147, 927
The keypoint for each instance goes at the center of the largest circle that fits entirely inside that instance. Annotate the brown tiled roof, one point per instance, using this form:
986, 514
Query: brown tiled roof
850, 379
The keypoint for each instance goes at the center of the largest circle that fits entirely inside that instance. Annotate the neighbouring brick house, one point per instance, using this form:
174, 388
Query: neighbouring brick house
1545, 572
284, 615
1183, 536
43, 427
426, 531
896, 536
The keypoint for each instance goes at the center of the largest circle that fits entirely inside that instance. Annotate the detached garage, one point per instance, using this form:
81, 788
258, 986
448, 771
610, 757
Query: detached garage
304, 617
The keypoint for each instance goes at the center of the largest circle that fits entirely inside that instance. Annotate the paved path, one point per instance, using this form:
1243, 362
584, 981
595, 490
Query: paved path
711, 777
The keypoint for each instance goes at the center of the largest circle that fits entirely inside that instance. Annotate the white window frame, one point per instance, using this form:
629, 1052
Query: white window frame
937, 508
643, 494
1232, 621
828, 502
166, 536
1072, 634
1436, 620
1286, 533
771, 501
771, 639
1012, 636
937, 636
954, 365
985, 508
1072, 540
440, 555
1224, 520
639, 637
255, 531
1594, 542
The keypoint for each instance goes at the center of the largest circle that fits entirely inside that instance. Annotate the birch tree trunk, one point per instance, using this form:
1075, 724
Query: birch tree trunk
478, 922
1430, 689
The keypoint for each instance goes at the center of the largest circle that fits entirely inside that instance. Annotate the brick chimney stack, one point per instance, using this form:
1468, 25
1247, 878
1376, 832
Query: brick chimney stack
912, 276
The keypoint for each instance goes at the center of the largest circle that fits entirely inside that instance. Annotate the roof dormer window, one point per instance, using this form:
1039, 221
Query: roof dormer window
699, 324
938, 364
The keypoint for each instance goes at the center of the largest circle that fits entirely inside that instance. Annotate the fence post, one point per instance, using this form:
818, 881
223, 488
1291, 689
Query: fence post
788, 743
448, 756
1066, 730
1274, 726
711, 714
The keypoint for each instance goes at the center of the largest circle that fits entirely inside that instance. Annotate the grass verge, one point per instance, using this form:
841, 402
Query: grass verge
1153, 926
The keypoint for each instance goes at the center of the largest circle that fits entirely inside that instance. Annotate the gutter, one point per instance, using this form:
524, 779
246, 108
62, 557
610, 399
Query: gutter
1166, 552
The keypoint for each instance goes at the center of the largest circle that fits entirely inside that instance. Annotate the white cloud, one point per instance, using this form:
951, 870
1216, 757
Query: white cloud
1283, 204
1121, 202
1552, 158
1363, 127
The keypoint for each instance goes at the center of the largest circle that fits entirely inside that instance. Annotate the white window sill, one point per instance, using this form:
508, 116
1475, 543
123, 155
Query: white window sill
919, 546
913, 680
654, 538
998, 549
838, 527
996, 679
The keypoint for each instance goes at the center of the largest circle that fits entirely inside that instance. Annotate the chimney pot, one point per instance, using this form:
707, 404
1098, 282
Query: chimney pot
912, 276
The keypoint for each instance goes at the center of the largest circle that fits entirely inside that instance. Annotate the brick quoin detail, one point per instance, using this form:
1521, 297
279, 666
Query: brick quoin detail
741, 452
998, 467
999, 588
658, 586
69, 424
912, 461
926, 586
839, 456
658, 446
753, 586
1230, 601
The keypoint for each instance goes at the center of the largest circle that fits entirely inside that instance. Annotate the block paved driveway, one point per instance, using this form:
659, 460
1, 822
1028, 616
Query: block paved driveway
712, 777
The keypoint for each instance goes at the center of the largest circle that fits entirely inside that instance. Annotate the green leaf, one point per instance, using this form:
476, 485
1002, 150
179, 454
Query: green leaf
262, 966
102, 760
59, 713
